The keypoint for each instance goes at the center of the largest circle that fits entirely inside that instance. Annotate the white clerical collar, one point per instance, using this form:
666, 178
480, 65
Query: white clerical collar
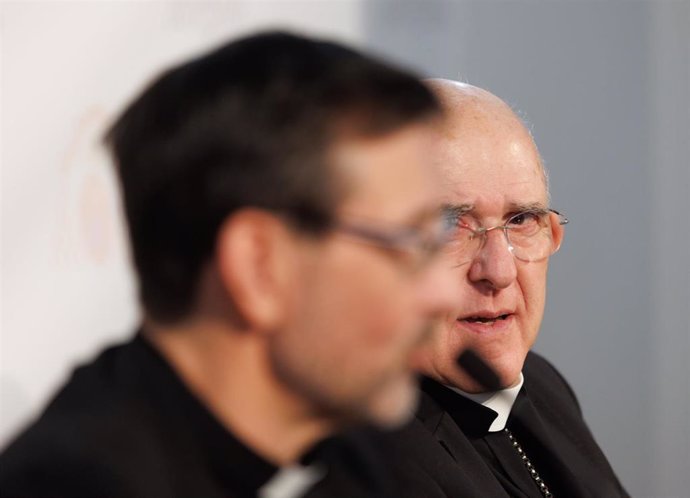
291, 482
499, 401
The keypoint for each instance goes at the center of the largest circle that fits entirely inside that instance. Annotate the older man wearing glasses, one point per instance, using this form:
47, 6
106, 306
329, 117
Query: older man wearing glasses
526, 436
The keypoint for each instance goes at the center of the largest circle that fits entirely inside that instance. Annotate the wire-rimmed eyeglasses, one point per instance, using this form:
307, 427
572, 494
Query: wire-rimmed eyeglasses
528, 233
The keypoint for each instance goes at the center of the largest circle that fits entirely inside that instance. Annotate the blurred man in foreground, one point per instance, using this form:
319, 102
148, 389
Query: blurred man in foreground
284, 228
528, 437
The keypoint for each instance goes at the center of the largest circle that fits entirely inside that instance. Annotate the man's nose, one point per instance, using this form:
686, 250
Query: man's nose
494, 263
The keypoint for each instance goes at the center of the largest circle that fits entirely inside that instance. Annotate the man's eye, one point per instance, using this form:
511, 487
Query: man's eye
525, 219
465, 222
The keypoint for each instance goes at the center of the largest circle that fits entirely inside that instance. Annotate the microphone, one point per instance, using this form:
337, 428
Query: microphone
478, 369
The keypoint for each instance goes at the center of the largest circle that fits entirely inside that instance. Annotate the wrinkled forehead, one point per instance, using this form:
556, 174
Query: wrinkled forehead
492, 162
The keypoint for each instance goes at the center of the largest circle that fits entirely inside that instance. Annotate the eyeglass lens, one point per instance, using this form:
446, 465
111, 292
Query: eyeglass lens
528, 235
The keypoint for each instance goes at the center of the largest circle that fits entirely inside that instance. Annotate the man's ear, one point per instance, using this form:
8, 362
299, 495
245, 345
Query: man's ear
557, 232
255, 254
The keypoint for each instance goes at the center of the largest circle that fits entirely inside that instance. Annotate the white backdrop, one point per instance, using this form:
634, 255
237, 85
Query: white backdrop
67, 69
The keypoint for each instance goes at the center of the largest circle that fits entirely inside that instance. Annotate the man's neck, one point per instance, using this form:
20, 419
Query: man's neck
499, 401
230, 373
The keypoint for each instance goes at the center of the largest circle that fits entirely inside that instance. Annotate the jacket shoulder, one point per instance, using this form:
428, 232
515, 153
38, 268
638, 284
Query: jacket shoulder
542, 378
88, 441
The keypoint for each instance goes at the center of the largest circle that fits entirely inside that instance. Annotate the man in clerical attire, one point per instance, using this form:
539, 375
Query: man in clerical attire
284, 230
528, 438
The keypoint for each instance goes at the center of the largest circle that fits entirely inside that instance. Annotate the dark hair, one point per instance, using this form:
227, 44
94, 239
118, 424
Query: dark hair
248, 124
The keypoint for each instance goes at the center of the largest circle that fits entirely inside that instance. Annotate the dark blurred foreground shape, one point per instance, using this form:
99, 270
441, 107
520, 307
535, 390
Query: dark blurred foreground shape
284, 227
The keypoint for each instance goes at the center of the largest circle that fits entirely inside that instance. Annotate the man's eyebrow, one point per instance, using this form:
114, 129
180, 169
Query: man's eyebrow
456, 209
530, 206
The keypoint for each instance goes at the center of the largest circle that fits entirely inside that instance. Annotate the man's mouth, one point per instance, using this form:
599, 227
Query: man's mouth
488, 319
485, 319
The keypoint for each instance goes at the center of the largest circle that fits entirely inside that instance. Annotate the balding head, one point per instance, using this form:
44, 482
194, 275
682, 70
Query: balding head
467, 107
493, 179
454, 94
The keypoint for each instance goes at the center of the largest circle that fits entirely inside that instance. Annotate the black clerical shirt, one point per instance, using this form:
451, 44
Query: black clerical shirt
127, 426
448, 451
496, 448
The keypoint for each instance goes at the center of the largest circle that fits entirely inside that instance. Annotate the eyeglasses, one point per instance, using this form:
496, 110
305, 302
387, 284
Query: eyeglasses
418, 244
528, 234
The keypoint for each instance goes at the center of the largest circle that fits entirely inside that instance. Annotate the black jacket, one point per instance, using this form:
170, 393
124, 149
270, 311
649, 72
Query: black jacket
447, 450
126, 426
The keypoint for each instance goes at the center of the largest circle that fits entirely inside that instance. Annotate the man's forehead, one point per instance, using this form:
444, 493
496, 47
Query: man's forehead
484, 195
472, 168
481, 134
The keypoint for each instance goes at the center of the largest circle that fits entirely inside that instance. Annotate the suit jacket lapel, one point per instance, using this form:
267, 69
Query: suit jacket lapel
471, 473
557, 457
